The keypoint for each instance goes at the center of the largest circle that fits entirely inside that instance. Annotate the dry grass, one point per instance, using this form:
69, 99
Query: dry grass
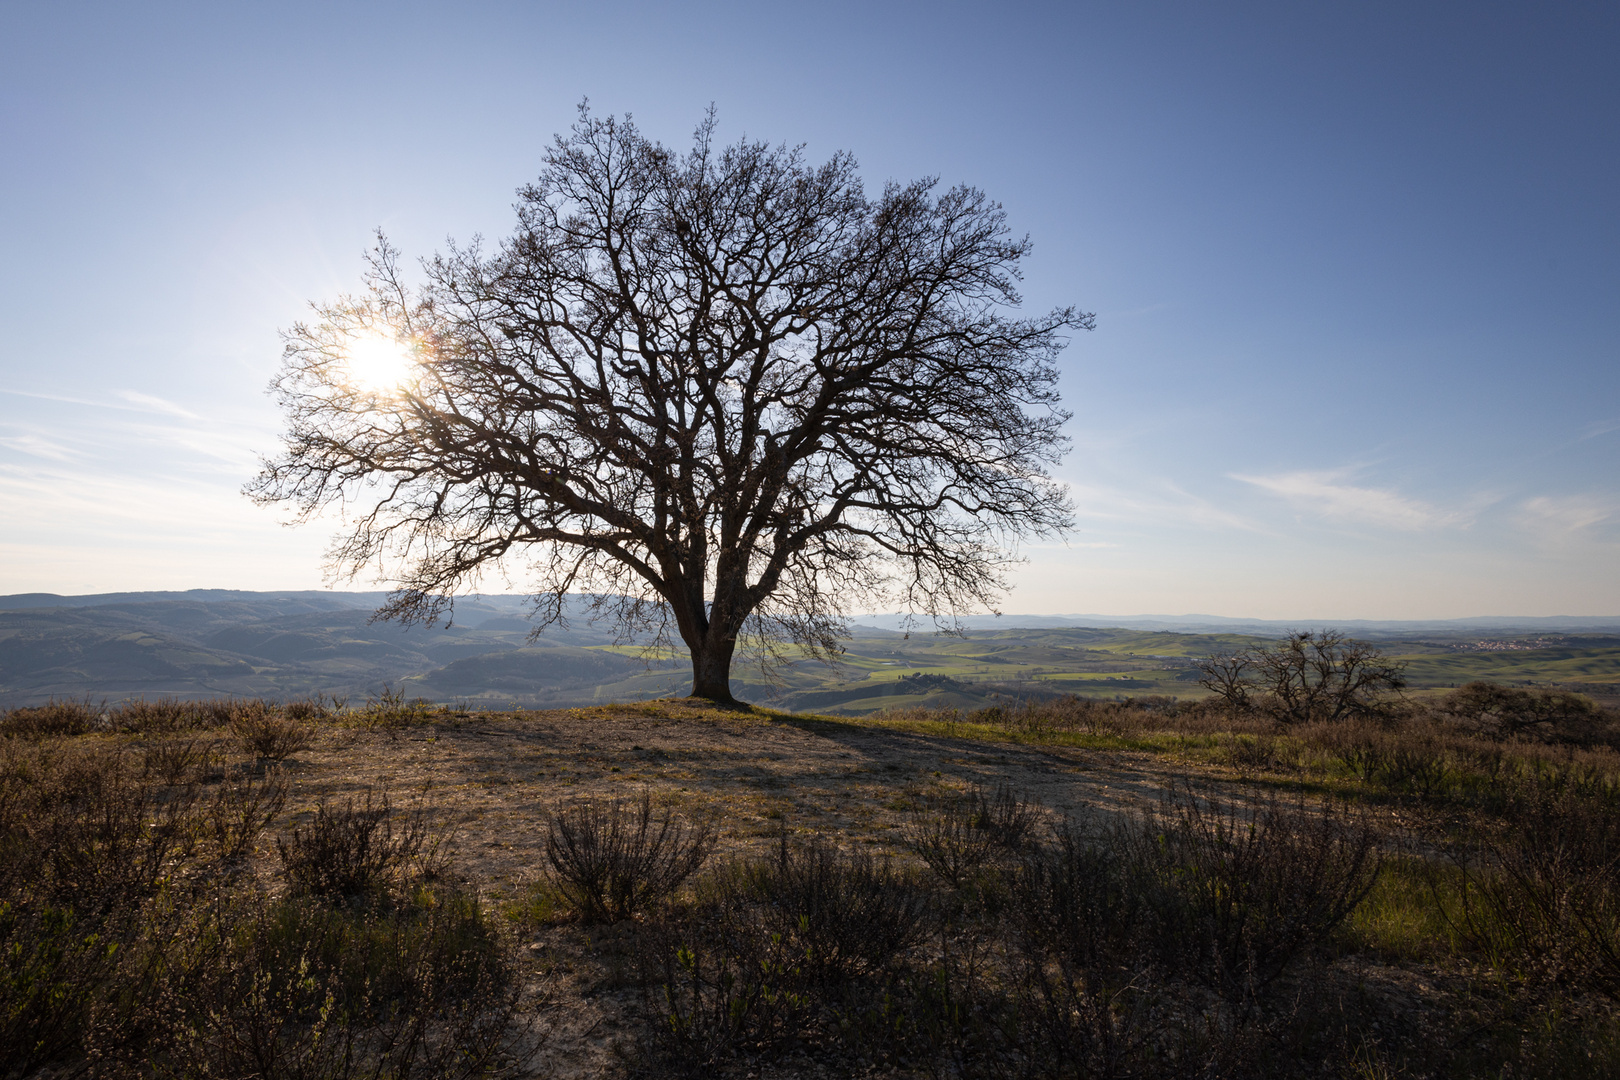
1229, 930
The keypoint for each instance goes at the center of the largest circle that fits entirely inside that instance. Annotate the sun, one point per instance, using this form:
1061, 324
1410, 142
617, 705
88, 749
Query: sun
379, 363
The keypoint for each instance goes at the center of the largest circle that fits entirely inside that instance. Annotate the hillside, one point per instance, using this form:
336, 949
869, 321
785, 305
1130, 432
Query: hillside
300, 644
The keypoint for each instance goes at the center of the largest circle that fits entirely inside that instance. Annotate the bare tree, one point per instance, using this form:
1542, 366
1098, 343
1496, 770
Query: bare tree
724, 392
1309, 675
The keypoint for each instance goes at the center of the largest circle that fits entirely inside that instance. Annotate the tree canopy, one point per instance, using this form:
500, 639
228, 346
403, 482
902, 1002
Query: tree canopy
726, 392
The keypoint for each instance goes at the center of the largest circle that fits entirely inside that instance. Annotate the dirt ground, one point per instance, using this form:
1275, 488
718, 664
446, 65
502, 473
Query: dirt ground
489, 781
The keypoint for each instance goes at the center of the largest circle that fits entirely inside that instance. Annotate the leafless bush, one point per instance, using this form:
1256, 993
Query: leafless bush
390, 712
55, 718
944, 833
845, 913
1542, 884
957, 834
612, 860
176, 761
310, 991
350, 850
242, 807
771, 948
163, 716
307, 710
267, 734
1240, 891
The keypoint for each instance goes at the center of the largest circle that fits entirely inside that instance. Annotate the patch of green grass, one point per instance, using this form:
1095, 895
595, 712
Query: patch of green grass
1410, 915
540, 905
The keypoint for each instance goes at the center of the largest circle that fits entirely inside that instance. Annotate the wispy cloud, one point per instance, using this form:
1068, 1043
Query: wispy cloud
151, 403
133, 401
1325, 493
1600, 427
1155, 504
1569, 515
35, 446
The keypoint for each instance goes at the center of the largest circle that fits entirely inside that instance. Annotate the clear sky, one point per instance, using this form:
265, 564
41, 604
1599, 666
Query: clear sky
1356, 266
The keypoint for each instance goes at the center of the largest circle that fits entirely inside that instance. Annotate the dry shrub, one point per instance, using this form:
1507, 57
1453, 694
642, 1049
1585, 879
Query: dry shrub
781, 948
243, 806
176, 761
1502, 712
613, 860
406, 990
53, 719
845, 914
1239, 891
956, 835
128, 952
355, 849
163, 716
392, 713
1542, 883
267, 734
81, 829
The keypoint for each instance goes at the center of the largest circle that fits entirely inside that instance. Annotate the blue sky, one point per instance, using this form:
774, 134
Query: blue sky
1356, 266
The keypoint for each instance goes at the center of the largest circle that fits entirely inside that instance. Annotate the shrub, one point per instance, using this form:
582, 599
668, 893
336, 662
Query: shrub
944, 833
1238, 892
55, 718
161, 717
613, 860
844, 913
418, 989
267, 734
1541, 884
955, 835
1501, 712
176, 761
81, 830
807, 942
351, 850
242, 807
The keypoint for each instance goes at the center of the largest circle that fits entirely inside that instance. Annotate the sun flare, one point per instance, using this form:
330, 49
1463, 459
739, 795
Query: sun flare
379, 363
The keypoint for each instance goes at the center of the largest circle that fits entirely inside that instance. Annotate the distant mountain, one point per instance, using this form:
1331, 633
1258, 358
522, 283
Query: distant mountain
1481, 626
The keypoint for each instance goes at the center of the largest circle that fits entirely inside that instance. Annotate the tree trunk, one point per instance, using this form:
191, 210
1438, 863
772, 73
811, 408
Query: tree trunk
711, 671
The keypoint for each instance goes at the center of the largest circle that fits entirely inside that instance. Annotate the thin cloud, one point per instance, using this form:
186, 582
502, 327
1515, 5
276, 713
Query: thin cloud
1600, 427
1568, 515
151, 403
1167, 505
34, 446
1325, 494
136, 402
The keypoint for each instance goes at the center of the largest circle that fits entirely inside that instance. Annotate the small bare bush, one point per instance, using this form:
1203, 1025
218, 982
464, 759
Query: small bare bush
53, 719
163, 716
956, 835
845, 913
243, 806
1239, 891
267, 734
176, 761
612, 860
780, 948
1542, 884
354, 849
